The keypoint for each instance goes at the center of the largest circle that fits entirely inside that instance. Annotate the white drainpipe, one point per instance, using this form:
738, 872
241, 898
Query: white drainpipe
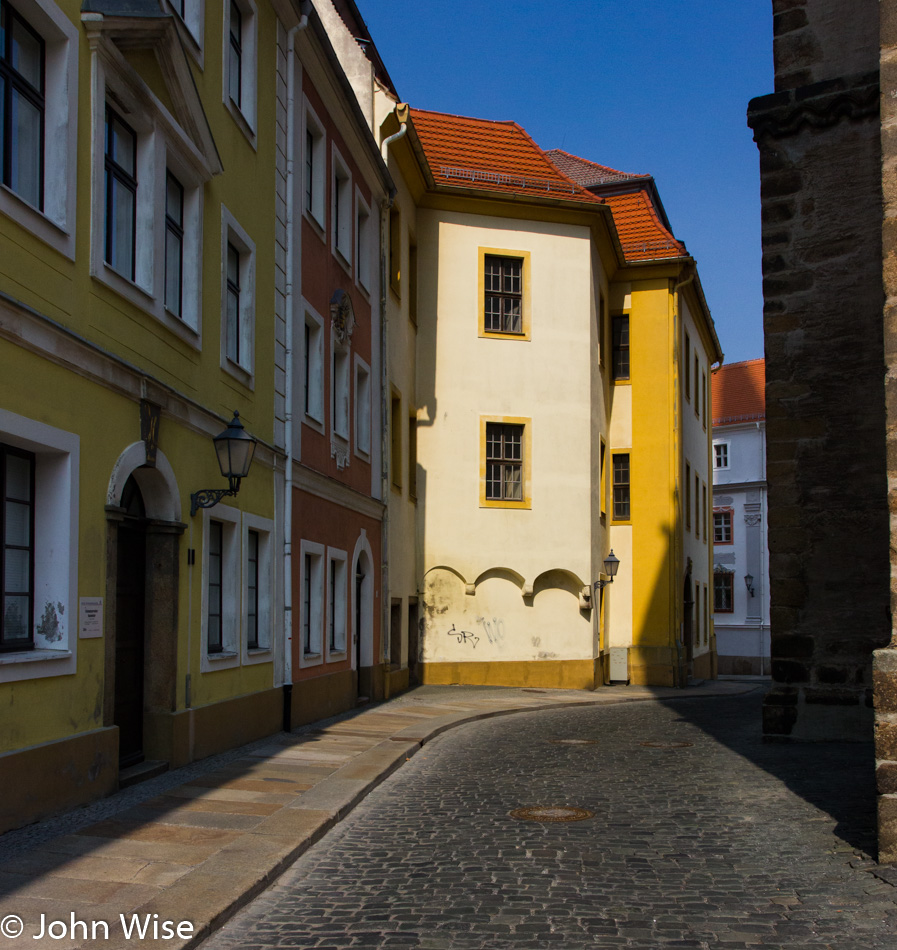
293, 251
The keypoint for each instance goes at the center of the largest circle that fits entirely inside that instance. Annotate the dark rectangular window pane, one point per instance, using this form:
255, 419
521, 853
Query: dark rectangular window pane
504, 462
215, 644
621, 488
174, 243
16, 548
503, 287
620, 361
252, 569
121, 194
232, 303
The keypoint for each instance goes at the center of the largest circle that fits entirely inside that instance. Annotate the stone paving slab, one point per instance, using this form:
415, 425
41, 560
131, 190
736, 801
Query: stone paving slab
200, 850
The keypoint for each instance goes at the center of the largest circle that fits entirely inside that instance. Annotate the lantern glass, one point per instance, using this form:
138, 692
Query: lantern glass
749, 581
611, 564
235, 449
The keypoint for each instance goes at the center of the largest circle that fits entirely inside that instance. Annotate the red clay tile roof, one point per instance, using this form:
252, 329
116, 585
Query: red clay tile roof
739, 392
642, 234
491, 156
588, 173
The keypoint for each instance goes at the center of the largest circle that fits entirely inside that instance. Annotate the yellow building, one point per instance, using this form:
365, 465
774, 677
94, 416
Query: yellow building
561, 341
141, 303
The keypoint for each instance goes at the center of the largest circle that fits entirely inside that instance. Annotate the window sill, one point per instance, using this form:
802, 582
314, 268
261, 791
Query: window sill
238, 372
257, 651
37, 655
316, 225
336, 656
222, 655
499, 335
342, 260
242, 121
37, 222
616, 523
622, 382
313, 423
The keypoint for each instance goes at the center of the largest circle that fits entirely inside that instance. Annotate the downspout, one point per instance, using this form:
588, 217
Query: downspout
676, 627
385, 206
293, 252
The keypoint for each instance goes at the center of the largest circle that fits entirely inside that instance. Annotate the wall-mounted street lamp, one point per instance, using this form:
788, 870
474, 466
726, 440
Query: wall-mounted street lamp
234, 448
749, 583
611, 565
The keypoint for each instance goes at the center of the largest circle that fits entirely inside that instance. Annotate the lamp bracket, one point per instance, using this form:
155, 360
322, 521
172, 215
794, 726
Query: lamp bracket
601, 584
209, 497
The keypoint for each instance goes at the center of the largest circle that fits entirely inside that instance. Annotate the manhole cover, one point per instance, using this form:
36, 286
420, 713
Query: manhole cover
551, 813
666, 745
574, 741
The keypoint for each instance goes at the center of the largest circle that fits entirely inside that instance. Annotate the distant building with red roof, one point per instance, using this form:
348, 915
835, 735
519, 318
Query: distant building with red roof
740, 551
739, 392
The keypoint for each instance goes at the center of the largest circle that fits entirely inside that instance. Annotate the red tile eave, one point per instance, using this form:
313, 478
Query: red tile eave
739, 393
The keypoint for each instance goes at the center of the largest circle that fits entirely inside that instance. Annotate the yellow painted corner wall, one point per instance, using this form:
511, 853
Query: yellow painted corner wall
653, 525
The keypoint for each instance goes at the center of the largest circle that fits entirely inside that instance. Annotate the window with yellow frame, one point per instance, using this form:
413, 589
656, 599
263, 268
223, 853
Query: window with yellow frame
505, 462
504, 294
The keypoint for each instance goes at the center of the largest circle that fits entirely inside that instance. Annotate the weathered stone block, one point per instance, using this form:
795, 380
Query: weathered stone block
886, 778
884, 684
778, 720
794, 283
887, 829
790, 671
790, 20
831, 675
793, 646
780, 184
885, 741
832, 697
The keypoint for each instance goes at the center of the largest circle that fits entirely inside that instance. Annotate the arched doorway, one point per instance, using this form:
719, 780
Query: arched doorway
144, 528
130, 631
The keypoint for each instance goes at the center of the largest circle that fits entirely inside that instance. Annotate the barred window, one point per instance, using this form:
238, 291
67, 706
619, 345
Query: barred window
17, 550
504, 462
621, 488
215, 611
723, 592
503, 305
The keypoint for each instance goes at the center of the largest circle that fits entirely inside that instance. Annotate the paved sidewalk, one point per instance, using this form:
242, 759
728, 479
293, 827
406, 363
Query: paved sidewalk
218, 835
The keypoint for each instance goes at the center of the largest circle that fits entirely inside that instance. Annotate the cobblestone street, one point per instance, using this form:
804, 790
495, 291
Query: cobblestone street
702, 836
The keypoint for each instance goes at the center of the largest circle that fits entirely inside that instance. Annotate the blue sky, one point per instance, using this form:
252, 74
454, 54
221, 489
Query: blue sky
655, 86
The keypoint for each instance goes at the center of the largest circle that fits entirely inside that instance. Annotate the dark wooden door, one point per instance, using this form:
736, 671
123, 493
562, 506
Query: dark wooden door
129, 641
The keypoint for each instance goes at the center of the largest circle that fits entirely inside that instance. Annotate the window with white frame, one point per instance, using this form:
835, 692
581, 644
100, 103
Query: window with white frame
314, 165
337, 592
258, 592
341, 212
363, 230
38, 119
311, 605
191, 16
221, 586
238, 588
120, 162
147, 198
313, 374
720, 454
362, 408
238, 298
38, 548
340, 391
239, 57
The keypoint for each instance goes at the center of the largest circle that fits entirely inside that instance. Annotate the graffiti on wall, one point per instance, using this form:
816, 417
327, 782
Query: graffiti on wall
494, 629
463, 636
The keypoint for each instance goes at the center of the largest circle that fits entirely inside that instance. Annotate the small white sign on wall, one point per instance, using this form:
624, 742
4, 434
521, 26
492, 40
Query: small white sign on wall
90, 619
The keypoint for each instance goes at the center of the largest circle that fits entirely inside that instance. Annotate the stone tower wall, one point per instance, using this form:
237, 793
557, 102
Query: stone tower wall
820, 169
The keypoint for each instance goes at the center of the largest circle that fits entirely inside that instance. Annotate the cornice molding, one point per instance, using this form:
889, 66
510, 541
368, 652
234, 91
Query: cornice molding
818, 106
